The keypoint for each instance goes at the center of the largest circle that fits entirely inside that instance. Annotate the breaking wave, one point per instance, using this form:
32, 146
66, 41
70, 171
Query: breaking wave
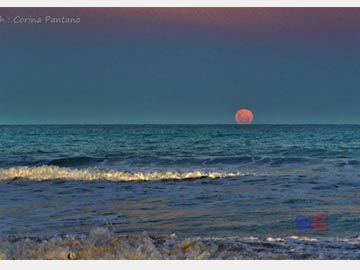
43, 173
105, 244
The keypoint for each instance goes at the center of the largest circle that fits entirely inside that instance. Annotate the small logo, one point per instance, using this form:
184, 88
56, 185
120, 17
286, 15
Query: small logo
318, 223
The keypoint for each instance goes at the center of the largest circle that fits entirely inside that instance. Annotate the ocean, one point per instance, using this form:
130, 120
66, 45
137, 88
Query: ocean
202, 181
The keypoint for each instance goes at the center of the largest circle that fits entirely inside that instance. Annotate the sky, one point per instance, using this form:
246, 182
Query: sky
181, 66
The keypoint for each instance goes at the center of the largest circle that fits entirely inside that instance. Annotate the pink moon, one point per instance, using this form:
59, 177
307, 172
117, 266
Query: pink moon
244, 117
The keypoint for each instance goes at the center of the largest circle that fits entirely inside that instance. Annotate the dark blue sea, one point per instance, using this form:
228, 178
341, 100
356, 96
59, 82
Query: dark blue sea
192, 180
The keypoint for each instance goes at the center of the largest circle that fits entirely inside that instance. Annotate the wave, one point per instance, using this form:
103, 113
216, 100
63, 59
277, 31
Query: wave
74, 161
105, 243
43, 173
131, 160
144, 160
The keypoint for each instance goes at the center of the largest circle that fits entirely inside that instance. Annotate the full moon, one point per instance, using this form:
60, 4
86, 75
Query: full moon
244, 117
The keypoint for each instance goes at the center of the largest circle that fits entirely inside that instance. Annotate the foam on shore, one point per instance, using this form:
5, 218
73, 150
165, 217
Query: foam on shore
102, 243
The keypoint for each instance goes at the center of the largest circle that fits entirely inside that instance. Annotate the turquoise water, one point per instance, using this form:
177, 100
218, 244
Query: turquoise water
205, 180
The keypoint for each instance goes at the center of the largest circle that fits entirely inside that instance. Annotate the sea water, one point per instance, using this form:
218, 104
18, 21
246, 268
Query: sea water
191, 180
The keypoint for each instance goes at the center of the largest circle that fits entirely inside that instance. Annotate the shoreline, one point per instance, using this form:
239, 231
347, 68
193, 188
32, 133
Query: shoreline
102, 243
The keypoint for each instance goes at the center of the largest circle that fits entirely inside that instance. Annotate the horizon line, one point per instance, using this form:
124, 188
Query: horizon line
170, 124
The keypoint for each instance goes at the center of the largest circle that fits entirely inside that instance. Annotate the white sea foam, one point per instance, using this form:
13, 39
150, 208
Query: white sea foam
102, 243
42, 173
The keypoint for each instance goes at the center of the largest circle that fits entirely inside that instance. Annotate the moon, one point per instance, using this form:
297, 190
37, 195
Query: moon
244, 117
